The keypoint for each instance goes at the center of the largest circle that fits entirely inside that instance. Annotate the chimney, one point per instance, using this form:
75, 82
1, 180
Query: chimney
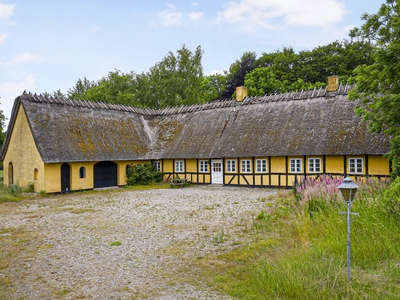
333, 83
241, 93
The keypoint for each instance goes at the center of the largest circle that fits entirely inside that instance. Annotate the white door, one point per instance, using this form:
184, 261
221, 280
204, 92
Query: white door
216, 171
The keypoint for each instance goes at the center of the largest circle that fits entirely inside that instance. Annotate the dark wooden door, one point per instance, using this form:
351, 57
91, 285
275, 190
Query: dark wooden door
105, 174
65, 177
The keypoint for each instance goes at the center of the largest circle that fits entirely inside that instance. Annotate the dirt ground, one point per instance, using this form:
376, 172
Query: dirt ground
121, 244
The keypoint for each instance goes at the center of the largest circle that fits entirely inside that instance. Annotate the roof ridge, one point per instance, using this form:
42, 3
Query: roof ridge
181, 109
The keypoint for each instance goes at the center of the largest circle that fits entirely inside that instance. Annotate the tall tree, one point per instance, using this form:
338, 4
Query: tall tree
79, 90
378, 85
2, 124
237, 72
176, 80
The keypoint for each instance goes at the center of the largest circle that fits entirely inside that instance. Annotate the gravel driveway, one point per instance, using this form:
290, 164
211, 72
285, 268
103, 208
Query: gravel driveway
123, 244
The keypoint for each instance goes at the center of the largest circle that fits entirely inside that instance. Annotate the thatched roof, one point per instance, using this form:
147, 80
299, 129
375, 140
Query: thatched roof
313, 122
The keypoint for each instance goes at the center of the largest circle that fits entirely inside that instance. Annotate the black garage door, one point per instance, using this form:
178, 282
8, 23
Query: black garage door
105, 174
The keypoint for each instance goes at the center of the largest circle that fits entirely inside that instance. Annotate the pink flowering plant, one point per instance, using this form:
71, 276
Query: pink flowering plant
317, 193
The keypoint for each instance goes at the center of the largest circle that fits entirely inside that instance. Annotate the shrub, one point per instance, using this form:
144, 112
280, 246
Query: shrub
14, 189
143, 174
391, 200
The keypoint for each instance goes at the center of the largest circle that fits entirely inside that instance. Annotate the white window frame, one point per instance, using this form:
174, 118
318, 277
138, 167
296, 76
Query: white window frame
356, 165
313, 166
179, 167
157, 165
204, 166
231, 165
261, 165
296, 165
245, 166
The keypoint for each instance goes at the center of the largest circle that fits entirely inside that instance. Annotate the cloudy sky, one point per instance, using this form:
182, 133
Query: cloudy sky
46, 45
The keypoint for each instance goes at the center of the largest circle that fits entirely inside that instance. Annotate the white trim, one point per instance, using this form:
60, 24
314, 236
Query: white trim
217, 173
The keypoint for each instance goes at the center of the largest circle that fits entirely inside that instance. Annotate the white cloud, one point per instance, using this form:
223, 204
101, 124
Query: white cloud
171, 17
6, 10
195, 4
215, 72
3, 37
10, 90
23, 58
272, 14
195, 15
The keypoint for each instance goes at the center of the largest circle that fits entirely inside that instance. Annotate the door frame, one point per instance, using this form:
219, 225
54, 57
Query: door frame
221, 173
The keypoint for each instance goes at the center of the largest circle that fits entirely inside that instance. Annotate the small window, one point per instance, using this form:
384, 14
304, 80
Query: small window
356, 165
179, 166
295, 165
82, 172
314, 165
157, 165
261, 165
204, 166
231, 165
128, 169
35, 174
246, 166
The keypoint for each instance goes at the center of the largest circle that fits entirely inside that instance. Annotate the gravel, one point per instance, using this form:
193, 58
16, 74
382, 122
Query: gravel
126, 244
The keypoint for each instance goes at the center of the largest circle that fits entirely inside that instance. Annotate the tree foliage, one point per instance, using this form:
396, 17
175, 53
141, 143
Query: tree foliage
378, 84
178, 78
237, 72
143, 174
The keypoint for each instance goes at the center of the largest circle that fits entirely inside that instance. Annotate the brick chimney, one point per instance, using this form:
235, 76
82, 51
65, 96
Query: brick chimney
333, 83
241, 93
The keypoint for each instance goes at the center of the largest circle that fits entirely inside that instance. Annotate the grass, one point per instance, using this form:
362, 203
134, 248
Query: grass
299, 251
295, 249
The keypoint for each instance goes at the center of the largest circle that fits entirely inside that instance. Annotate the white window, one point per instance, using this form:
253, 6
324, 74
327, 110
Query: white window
179, 166
157, 165
314, 165
261, 165
204, 166
295, 165
355, 165
246, 166
231, 165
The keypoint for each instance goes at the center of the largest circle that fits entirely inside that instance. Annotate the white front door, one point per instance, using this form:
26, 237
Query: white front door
216, 171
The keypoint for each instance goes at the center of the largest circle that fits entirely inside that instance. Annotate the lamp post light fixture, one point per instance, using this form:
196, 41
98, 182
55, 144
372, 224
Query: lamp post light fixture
348, 189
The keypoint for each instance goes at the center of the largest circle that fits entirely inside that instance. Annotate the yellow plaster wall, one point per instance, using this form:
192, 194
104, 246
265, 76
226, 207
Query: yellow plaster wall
378, 165
191, 165
168, 166
274, 180
77, 183
23, 154
229, 177
249, 179
334, 164
53, 178
278, 164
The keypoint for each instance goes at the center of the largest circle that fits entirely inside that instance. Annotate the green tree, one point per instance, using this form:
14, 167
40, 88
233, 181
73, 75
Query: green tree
80, 89
262, 81
117, 87
237, 72
212, 86
378, 84
2, 124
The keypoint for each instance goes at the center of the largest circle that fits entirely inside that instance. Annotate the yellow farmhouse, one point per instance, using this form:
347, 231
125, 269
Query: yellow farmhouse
61, 145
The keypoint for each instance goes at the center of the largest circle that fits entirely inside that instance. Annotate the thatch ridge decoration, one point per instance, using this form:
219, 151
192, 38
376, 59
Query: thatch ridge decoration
216, 104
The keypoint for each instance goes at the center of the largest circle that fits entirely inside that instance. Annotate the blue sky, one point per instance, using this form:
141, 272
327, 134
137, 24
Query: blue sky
46, 45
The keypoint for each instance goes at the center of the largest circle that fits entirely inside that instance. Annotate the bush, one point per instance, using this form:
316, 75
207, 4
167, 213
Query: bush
391, 200
14, 189
143, 174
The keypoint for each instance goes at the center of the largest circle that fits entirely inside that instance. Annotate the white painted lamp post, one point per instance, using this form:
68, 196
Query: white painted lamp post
348, 189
